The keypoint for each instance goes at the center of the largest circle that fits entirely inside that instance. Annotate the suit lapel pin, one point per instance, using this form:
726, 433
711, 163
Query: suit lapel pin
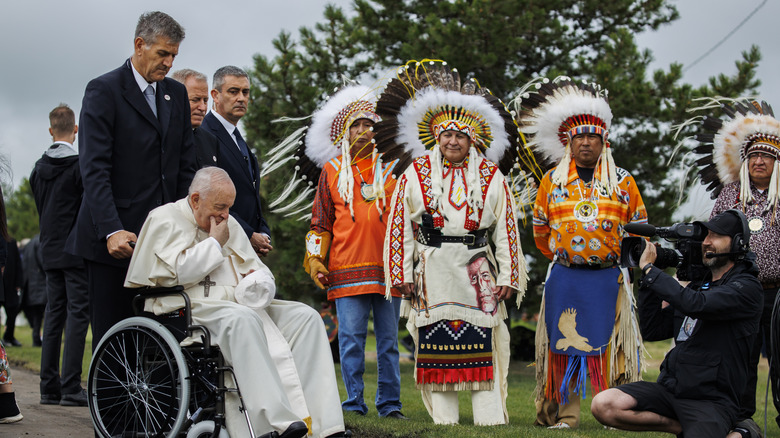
167, 97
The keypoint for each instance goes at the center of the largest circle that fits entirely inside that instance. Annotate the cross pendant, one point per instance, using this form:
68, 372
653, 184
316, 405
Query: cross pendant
207, 283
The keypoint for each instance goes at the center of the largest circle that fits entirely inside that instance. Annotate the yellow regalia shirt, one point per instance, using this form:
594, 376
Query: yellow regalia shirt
566, 225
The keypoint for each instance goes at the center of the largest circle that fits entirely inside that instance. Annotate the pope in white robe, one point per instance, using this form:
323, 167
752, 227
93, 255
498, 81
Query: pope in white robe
278, 349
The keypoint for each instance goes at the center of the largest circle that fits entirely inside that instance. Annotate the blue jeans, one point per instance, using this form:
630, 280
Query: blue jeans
352, 313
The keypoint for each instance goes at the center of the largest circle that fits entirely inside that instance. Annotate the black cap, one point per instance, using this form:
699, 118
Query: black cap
724, 223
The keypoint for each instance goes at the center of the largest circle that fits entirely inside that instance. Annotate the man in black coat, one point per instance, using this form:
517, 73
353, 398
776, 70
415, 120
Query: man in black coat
13, 280
57, 187
714, 322
231, 97
34, 290
206, 145
137, 153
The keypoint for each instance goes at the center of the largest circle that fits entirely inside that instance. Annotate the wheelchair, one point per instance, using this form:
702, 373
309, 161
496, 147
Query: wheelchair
142, 383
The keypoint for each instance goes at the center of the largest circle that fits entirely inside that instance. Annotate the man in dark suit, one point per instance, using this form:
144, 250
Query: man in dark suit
231, 96
137, 153
206, 145
56, 185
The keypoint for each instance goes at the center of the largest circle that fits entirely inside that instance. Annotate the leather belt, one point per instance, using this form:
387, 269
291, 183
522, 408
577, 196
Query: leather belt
433, 237
770, 285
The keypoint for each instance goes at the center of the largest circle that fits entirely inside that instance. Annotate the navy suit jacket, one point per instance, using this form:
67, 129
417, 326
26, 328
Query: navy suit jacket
247, 207
206, 148
131, 161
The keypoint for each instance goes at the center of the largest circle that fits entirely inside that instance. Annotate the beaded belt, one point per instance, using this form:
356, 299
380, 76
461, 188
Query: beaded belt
605, 265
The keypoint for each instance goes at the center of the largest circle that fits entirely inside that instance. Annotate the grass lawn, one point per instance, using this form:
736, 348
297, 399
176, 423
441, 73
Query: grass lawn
520, 402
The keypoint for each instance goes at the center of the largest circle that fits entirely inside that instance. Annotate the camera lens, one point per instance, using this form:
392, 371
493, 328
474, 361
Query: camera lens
631, 249
666, 258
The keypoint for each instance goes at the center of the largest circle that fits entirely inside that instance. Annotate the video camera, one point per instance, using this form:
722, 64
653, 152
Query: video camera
686, 257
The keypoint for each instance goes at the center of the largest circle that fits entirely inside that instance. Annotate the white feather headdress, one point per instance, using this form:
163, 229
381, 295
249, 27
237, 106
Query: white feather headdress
726, 143
554, 112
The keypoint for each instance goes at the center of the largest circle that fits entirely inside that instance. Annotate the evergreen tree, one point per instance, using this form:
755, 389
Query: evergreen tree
21, 212
504, 44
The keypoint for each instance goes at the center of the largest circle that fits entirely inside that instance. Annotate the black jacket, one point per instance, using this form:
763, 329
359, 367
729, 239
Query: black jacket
34, 277
131, 161
206, 148
56, 185
712, 363
247, 208
13, 277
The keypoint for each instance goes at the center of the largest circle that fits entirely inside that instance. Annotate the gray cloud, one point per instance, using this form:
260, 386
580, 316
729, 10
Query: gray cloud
52, 49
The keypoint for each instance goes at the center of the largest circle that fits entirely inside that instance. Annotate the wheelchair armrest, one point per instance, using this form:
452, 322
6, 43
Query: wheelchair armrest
155, 292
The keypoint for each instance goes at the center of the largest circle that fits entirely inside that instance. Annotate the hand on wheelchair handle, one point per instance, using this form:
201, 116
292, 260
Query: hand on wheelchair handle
118, 244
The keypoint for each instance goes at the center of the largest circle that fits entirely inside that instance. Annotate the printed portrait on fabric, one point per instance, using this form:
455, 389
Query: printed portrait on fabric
482, 274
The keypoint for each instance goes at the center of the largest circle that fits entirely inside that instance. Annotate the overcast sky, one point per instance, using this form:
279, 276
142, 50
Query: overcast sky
53, 48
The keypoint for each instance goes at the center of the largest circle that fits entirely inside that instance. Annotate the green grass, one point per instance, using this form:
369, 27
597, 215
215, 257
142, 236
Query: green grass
520, 402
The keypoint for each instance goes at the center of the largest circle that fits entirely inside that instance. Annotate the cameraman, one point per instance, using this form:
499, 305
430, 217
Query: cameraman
714, 322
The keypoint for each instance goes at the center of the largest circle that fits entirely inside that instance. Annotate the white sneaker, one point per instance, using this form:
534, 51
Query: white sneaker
560, 425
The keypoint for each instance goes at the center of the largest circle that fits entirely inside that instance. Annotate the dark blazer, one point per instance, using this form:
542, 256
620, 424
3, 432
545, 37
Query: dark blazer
56, 185
131, 162
206, 148
247, 207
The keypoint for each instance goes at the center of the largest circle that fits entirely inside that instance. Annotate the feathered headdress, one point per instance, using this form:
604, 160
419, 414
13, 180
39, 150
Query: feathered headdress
426, 98
725, 144
553, 112
324, 139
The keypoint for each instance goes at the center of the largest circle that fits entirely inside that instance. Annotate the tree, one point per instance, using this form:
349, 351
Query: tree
503, 44
21, 212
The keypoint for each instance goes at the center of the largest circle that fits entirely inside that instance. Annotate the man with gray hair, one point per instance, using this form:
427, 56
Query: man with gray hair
137, 153
278, 349
206, 145
231, 98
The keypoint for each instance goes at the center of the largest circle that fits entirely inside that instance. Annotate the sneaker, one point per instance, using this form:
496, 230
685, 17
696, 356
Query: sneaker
749, 427
13, 342
9, 410
560, 425
50, 399
396, 415
76, 399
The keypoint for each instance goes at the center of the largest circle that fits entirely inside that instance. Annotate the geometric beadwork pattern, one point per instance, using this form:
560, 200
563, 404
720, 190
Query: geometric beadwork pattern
396, 259
486, 171
422, 166
454, 351
513, 239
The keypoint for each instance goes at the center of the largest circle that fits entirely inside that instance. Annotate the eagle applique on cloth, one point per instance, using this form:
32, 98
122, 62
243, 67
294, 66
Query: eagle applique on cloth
567, 324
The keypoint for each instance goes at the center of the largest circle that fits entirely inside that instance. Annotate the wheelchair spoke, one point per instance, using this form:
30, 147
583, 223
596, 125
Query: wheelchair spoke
138, 382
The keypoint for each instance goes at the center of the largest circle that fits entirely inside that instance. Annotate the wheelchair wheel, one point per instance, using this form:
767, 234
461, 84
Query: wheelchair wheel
205, 429
138, 381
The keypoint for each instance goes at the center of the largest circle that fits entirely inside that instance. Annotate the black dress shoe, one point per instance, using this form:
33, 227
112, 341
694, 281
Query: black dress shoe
346, 434
50, 399
298, 429
76, 399
397, 415
12, 342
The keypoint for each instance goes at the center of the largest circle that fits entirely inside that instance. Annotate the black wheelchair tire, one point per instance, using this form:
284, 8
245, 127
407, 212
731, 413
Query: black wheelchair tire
151, 396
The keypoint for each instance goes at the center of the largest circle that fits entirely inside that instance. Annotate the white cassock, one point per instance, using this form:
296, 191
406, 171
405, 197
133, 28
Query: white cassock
278, 349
